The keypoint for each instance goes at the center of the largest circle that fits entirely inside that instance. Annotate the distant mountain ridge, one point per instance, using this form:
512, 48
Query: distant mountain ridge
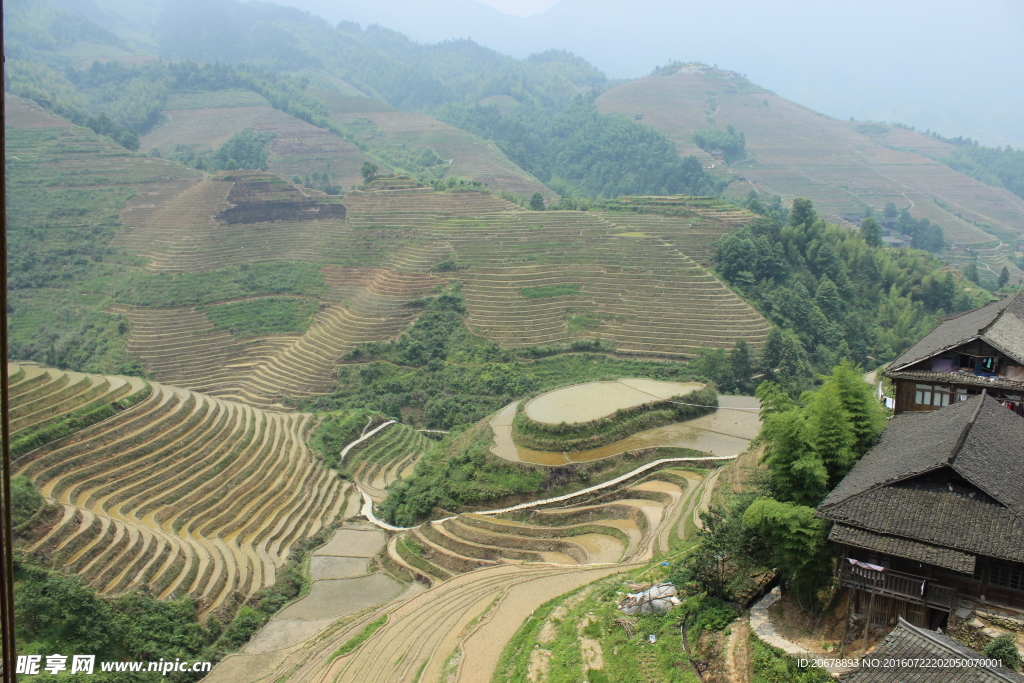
879, 60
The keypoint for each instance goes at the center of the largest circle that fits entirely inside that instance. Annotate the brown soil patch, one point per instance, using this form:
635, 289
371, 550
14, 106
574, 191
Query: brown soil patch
809, 631
21, 113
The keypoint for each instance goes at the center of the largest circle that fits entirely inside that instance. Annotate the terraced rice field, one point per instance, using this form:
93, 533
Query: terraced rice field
180, 234
470, 156
646, 294
298, 148
388, 456
180, 346
796, 152
145, 492
41, 398
488, 576
640, 290
724, 432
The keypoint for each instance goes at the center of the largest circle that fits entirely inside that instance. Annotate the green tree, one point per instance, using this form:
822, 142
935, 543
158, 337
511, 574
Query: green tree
25, 500
1004, 277
890, 210
831, 433
798, 541
784, 361
970, 272
867, 416
802, 212
369, 170
773, 399
828, 299
796, 472
742, 365
537, 202
871, 231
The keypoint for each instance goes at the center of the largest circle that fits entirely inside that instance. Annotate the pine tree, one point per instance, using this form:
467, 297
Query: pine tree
871, 231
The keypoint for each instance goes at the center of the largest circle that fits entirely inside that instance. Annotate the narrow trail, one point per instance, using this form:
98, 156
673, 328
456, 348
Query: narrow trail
367, 509
364, 437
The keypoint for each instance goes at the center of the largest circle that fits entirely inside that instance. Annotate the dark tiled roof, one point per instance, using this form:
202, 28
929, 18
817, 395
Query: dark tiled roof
1001, 323
957, 378
910, 642
977, 440
902, 547
945, 519
991, 456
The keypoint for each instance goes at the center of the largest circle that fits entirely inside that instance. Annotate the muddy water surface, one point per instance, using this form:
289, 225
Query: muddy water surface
593, 400
724, 432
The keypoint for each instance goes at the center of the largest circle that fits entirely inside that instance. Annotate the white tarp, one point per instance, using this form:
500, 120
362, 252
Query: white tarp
655, 600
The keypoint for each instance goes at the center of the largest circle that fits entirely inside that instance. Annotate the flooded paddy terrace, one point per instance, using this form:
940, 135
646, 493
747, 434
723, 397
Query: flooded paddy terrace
727, 431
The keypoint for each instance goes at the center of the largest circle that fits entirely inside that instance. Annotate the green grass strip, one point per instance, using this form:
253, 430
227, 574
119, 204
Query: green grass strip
358, 639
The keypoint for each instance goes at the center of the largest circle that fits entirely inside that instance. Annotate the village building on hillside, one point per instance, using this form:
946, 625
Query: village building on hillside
920, 649
967, 352
931, 520
718, 155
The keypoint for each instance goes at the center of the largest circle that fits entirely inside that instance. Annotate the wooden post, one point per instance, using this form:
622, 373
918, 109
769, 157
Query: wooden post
867, 620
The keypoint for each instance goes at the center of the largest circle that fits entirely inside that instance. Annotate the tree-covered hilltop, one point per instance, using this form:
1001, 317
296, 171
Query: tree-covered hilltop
996, 166
538, 110
581, 151
833, 292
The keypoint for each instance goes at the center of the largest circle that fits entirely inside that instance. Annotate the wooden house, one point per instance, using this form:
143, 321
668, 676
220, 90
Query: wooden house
931, 520
967, 352
913, 655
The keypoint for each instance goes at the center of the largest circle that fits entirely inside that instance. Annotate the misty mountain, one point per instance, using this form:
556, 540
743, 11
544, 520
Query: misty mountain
933, 65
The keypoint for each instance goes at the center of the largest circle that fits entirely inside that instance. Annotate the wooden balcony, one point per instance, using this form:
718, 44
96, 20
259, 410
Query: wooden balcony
916, 589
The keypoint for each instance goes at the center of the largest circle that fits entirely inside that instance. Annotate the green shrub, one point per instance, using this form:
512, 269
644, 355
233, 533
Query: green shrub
1004, 648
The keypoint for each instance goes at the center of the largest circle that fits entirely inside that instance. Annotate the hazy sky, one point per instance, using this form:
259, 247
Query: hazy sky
520, 8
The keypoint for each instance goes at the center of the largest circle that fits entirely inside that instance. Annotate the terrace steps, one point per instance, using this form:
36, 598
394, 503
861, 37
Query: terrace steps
144, 492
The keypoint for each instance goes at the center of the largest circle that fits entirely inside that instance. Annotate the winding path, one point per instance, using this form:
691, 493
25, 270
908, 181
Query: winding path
364, 437
367, 509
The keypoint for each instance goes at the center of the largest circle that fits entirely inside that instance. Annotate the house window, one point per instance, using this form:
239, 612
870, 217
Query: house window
1007, 577
929, 395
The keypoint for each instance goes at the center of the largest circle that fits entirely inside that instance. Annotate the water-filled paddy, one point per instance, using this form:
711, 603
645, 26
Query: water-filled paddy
330, 598
340, 586
593, 400
724, 432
